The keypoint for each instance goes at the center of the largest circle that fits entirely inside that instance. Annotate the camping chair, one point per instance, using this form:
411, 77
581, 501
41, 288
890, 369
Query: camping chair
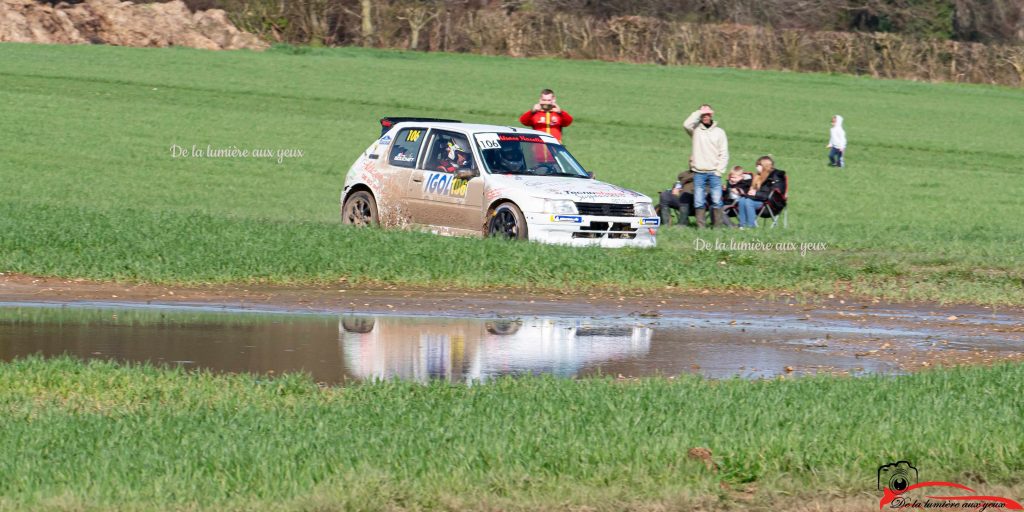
778, 196
730, 211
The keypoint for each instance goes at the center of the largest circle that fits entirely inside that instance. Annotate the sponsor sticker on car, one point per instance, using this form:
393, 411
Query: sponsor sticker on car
512, 137
567, 218
494, 140
444, 184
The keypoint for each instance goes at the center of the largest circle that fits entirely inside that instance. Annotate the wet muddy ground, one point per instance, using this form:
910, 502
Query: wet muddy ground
339, 333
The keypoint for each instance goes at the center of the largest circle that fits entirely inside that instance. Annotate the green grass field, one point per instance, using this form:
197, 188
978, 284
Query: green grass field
927, 209
100, 436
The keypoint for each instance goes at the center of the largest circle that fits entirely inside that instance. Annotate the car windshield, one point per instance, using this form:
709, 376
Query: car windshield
507, 153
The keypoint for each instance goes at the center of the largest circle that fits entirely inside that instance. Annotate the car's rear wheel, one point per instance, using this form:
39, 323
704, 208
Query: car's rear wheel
507, 221
360, 209
358, 325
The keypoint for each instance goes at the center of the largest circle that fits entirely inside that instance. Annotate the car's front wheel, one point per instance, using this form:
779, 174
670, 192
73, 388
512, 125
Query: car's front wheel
507, 221
360, 209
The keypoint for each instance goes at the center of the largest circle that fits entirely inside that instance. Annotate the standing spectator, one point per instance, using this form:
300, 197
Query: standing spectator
710, 159
547, 116
837, 143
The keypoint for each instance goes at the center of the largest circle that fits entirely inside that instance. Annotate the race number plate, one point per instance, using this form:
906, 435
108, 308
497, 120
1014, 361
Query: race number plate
488, 140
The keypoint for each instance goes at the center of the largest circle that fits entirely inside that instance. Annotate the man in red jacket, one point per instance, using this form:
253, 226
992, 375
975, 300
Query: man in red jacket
546, 116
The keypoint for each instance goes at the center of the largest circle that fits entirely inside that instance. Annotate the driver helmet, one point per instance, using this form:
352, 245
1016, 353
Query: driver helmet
454, 149
511, 155
511, 152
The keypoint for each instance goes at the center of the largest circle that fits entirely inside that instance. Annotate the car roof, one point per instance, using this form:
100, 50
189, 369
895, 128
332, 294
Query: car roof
469, 128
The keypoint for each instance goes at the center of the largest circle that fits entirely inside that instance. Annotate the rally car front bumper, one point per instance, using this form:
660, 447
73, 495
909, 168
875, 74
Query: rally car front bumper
593, 230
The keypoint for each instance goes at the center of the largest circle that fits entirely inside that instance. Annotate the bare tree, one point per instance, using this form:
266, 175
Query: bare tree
417, 15
309, 18
989, 20
366, 13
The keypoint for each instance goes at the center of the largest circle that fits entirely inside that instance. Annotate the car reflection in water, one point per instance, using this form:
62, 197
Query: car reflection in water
459, 349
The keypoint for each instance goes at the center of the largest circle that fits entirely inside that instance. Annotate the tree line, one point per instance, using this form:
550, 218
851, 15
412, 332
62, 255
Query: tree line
950, 40
990, 21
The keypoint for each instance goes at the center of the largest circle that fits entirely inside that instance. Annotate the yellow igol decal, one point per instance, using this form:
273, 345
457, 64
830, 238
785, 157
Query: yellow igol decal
445, 184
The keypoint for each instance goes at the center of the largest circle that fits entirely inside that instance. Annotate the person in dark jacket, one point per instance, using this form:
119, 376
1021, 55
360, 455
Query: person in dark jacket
679, 197
738, 183
752, 201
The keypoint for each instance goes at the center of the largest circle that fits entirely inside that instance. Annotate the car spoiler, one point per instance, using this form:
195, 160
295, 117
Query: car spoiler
387, 122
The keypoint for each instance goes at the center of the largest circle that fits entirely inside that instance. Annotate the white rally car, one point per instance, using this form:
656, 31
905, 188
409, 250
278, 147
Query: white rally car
475, 349
472, 179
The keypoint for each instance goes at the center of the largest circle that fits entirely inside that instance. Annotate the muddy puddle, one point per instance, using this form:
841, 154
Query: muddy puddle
342, 348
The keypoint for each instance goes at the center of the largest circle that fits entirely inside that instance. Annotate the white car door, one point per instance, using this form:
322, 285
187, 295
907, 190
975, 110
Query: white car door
438, 197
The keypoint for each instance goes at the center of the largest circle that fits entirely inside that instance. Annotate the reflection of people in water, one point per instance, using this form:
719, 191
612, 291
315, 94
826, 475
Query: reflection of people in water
510, 158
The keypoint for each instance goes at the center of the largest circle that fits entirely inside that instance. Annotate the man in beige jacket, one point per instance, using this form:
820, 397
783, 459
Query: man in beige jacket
710, 160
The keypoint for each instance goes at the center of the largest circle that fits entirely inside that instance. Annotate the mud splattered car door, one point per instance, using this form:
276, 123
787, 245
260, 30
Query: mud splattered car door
400, 163
438, 197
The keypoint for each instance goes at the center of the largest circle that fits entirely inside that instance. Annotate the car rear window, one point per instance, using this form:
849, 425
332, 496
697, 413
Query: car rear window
406, 148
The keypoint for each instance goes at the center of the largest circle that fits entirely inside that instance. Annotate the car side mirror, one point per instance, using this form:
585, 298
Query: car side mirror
590, 174
465, 174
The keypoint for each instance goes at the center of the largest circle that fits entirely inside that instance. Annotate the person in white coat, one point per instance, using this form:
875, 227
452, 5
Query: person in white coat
837, 143
710, 157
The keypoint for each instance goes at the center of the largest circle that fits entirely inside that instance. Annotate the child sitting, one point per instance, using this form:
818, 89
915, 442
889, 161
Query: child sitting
739, 182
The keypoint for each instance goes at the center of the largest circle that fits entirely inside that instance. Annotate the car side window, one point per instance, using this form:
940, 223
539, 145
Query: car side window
444, 152
406, 147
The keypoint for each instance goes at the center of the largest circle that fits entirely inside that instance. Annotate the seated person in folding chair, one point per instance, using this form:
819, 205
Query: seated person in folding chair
750, 203
680, 198
736, 186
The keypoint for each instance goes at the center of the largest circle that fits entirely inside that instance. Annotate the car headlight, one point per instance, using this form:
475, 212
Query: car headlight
643, 209
562, 206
